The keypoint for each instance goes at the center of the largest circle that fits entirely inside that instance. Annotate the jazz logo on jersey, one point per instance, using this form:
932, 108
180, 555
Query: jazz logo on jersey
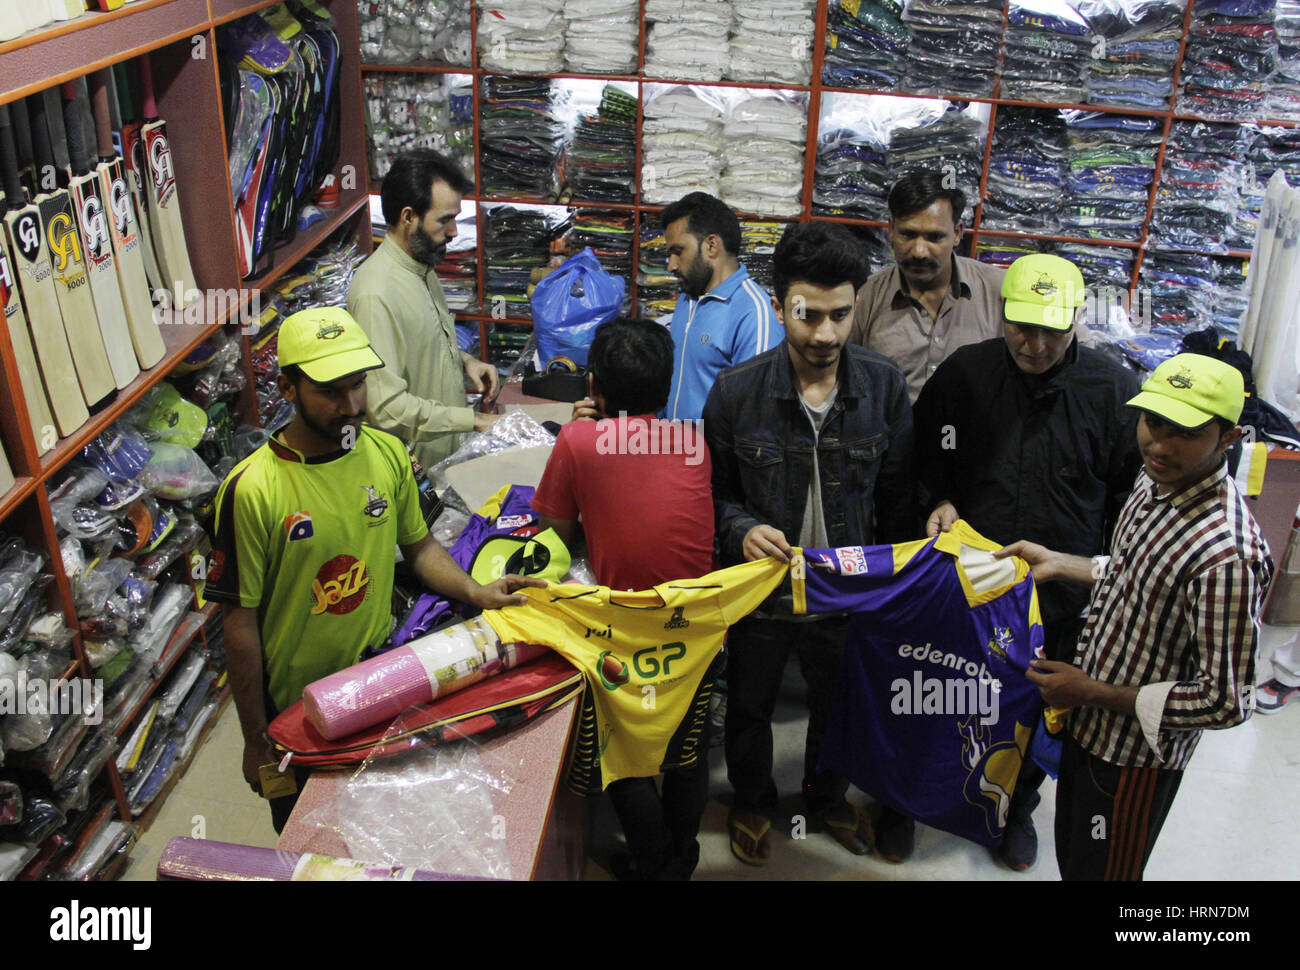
853, 560
298, 525
340, 586
992, 768
377, 505
677, 621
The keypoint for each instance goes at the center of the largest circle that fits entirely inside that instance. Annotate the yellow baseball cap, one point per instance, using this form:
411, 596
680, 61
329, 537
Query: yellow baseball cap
1191, 390
326, 343
1042, 290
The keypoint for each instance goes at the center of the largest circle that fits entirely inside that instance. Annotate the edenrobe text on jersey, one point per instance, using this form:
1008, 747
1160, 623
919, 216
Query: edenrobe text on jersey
647, 656
933, 713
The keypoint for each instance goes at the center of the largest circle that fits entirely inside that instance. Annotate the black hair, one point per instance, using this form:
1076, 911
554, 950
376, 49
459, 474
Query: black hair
705, 216
293, 372
410, 182
919, 190
821, 253
1224, 424
631, 364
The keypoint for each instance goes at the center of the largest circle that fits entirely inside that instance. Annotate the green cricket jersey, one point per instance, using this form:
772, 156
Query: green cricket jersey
310, 544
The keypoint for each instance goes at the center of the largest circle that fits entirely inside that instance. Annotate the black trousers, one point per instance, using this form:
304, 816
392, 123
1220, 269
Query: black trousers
757, 651
661, 828
282, 808
1108, 816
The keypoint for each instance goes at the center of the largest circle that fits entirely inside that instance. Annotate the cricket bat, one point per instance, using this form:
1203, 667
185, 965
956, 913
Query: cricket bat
164, 201
36, 13
71, 285
146, 338
26, 242
13, 22
11, 304
6, 473
97, 245
131, 147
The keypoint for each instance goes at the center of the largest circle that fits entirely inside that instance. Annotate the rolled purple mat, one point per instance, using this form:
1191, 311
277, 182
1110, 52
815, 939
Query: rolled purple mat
201, 860
379, 689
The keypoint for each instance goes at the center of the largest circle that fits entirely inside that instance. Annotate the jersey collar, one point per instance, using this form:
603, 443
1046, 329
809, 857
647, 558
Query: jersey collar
727, 288
288, 453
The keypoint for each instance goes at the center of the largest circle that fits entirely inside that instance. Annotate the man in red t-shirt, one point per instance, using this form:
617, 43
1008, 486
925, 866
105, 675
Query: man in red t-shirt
641, 486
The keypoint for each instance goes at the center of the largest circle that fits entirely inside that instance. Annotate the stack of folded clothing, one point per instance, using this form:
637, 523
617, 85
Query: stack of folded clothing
1100, 265
458, 269
1271, 148
1233, 295
1112, 162
952, 145
757, 244
1027, 171
406, 111
1198, 198
522, 36
763, 152
404, 31
656, 288
1231, 51
609, 234
520, 137
1135, 50
681, 146
1045, 49
687, 39
853, 175
866, 45
1182, 288
601, 159
954, 47
771, 41
517, 242
1004, 252
1283, 102
601, 36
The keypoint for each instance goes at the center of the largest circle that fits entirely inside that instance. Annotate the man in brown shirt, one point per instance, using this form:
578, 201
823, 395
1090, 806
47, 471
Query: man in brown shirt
931, 301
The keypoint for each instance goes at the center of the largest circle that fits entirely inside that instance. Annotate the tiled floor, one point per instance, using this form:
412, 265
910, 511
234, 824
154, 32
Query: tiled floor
1234, 817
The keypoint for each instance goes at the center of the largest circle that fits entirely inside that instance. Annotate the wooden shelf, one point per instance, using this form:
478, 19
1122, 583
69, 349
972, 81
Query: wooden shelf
289, 255
18, 493
185, 641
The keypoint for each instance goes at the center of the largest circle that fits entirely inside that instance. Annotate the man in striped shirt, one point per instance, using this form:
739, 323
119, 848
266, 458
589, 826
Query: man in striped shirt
1169, 645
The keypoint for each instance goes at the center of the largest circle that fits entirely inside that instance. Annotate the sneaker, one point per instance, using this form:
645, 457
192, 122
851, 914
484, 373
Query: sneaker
895, 835
1273, 695
1019, 848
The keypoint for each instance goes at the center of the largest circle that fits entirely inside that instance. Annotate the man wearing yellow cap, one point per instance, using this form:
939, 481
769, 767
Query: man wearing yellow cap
305, 535
1168, 649
1026, 436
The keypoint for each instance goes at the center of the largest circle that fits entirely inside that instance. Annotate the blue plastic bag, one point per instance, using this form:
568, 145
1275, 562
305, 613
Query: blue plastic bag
570, 303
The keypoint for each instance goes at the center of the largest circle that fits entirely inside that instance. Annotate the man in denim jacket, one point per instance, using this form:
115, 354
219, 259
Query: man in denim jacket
812, 446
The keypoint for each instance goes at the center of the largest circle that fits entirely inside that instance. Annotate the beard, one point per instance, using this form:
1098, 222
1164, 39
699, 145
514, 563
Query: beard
336, 431
423, 249
695, 281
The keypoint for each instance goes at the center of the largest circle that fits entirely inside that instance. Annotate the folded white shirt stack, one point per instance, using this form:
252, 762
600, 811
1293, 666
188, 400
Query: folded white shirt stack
681, 147
521, 36
601, 36
764, 151
771, 41
687, 39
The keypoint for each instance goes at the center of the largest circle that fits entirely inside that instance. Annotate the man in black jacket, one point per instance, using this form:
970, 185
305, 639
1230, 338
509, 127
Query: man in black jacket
811, 445
1027, 435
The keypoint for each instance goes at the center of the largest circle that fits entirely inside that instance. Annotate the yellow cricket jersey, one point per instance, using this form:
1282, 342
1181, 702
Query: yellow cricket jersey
310, 543
647, 656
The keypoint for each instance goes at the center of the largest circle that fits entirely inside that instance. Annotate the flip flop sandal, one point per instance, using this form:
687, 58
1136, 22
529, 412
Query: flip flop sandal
857, 836
756, 839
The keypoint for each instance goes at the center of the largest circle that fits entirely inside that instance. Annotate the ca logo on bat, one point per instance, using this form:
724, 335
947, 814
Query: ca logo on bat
28, 236
119, 201
96, 229
63, 241
160, 159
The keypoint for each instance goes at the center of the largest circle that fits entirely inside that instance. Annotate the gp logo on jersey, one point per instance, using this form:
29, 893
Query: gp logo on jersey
340, 586
298, 525
853, 560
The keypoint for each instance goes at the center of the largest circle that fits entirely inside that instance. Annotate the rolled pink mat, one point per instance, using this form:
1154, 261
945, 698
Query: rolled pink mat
435, 665
200, 860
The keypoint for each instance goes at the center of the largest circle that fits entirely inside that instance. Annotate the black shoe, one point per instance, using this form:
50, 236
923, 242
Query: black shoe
895, 835
1019, 848
623, 868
